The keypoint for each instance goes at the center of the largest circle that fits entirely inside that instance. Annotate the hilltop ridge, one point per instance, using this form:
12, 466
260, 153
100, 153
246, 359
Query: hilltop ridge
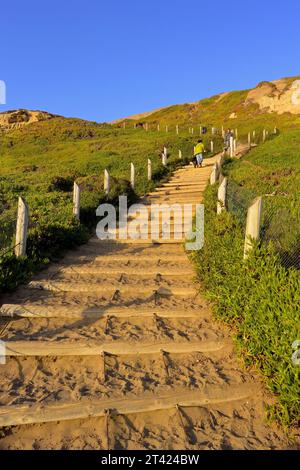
15, 119
278, 96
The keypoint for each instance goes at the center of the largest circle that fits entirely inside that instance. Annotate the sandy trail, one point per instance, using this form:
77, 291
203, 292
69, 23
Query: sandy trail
126, 297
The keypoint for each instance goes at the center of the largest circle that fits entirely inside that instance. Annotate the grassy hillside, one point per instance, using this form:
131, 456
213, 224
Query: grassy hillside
272, 170
218, 110
41, 161
260, 298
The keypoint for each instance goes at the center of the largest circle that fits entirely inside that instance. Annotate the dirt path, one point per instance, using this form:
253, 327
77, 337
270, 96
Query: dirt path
113, 348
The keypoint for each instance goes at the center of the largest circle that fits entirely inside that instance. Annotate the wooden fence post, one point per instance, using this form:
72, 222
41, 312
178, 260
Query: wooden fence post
231, 147
106, 182
180, 154
249, 139
146, 126
221, 205
264, 135
158, 128
22, 228
76, 201
149, 170
214, 174
275, 130
212, 146
252, 225
132, 175
254, 134
177, 129
234, 146
164, 157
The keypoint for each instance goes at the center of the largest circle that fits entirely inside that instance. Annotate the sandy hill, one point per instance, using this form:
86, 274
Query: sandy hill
21, 117
278, 96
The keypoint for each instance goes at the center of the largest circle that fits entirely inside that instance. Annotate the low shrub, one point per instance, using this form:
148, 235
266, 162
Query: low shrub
259, 298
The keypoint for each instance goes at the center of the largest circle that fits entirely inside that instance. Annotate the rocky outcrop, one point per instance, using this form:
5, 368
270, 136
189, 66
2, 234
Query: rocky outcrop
278, 96
18, 118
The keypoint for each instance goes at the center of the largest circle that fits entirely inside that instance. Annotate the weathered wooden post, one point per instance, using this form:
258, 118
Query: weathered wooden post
249, 139
231, 147
275, 130
164, 156
106, 182
254, 134
177, 129
22, 228
76, 201
132, 175
252, 225
234, 146
146, 126
236, 134
192, 130
180, 154
214, 174
212, 146
158, 128
149, 169
221, 205
264, 135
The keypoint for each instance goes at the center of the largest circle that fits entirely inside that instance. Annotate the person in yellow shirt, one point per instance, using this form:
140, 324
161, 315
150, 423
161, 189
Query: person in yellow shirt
198, 153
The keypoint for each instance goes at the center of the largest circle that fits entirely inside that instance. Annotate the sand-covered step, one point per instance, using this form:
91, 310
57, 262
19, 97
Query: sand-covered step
175, 190
40, 413
108, 289
177, 185
178, 199
131, 241
143, 272
102, 329
120, 262
86, 301
75, 311
101, 273
53, 379
117, 347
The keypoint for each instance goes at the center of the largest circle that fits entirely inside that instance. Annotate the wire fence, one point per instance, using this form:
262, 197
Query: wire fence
280, 221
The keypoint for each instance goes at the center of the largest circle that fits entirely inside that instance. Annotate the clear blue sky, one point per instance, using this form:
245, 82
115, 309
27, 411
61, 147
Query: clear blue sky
105, 59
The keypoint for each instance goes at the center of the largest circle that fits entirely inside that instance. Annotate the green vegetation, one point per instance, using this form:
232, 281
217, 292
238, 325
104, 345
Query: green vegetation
260, 298
217, 111
41, 161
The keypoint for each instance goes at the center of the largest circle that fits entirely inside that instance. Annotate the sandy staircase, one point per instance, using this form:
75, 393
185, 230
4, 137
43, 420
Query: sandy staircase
114, 348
